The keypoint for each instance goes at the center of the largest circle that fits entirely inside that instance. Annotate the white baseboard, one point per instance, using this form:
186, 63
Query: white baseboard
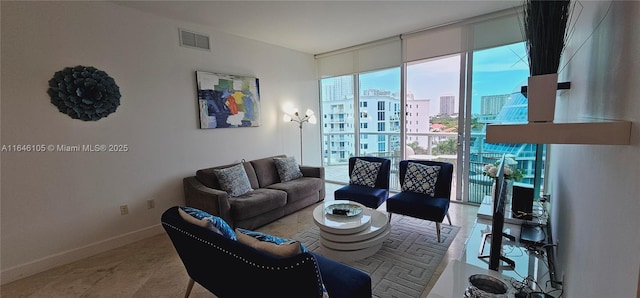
20, 271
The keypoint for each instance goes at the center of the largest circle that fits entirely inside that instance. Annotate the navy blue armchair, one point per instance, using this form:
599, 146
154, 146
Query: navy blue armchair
371, 197
420, 205
228, 268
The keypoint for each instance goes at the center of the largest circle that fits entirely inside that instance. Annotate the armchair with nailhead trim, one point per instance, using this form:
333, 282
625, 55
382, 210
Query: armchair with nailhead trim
228, 268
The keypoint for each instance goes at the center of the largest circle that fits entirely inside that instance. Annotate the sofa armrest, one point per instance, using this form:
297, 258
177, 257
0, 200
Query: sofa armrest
315, 172
309, 171
343, 281
213, 201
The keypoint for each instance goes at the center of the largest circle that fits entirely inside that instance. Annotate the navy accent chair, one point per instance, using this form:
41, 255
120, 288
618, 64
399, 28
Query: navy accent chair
228, 268
423, 206
371, 197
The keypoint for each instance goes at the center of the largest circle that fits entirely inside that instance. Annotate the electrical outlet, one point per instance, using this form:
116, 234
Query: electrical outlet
124, 210
151, 204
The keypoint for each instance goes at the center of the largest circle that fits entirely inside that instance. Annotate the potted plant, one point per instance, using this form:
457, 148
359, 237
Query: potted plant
510, 174
545, 24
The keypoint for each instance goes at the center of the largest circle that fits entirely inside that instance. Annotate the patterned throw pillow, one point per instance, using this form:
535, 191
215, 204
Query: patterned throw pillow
365, 173
288, 168
217, 222
234, 180
421, 178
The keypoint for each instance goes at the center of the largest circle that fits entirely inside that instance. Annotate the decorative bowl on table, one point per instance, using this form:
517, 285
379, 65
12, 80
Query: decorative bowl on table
486, 286
343, 209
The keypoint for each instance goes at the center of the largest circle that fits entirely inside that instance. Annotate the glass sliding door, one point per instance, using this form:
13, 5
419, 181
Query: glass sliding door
497, 75
338, 141
432, 110
456, 79
360, 119
439, 117
379, 104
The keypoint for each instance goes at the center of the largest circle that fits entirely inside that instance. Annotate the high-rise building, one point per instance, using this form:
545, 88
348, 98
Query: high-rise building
514, 110
448, 105
338, 88
417, 120
377, 114
491, 106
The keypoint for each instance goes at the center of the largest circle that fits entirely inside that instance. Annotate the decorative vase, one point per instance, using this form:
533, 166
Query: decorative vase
541, 94
509, 191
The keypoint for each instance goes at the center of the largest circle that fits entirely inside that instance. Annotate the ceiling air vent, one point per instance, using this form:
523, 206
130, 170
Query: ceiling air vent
194, 40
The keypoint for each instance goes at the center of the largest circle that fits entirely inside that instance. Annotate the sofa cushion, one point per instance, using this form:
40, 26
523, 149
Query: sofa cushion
217, 222
300, 188
365, 173
257, 202
270, 244
251, 173
421, 178
369, 196
288, 168
203, 223
266, 171
234, 180
415, 205
209, 179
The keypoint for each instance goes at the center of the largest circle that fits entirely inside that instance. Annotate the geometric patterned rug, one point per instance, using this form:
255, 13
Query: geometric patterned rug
407, 260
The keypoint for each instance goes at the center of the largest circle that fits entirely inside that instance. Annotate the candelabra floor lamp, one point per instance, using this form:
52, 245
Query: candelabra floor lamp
294, 116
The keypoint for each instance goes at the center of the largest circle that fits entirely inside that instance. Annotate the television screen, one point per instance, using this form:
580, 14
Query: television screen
497, 222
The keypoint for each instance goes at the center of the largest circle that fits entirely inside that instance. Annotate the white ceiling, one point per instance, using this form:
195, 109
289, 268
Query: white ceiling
319, 26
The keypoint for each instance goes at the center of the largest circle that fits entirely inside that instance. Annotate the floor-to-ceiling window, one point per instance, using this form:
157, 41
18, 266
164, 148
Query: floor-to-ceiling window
338, 131
497, 75
379, 99
455, 79
360, 119
432, 109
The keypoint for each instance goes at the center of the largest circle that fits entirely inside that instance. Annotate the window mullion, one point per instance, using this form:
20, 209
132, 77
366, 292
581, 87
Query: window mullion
356, 114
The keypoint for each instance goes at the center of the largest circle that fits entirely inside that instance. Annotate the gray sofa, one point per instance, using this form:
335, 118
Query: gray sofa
269, 200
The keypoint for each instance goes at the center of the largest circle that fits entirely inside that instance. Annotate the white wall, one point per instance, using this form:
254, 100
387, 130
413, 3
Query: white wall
596, 189
57, 207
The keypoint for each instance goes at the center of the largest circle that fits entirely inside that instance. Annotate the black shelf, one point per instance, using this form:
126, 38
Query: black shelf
561, 86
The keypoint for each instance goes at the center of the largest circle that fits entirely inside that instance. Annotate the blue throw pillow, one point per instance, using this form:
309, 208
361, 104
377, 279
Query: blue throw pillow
217, 222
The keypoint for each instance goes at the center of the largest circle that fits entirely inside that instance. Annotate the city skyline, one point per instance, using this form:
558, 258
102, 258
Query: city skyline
506, 65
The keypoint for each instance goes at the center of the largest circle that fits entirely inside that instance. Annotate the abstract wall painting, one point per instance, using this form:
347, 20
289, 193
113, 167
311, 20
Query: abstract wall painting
228, 100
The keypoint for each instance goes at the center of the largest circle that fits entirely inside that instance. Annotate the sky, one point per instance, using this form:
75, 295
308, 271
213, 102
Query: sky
496, 71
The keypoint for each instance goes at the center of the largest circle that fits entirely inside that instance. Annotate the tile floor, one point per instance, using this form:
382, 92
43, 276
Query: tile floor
151, 267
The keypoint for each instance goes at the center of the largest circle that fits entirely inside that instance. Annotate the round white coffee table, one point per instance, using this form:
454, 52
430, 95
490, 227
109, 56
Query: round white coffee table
350, 238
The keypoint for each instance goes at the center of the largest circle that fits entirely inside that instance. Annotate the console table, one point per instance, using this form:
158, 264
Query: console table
455, 279
485, 211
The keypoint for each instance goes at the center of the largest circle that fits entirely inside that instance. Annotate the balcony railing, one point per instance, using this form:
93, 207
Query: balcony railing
336, 165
